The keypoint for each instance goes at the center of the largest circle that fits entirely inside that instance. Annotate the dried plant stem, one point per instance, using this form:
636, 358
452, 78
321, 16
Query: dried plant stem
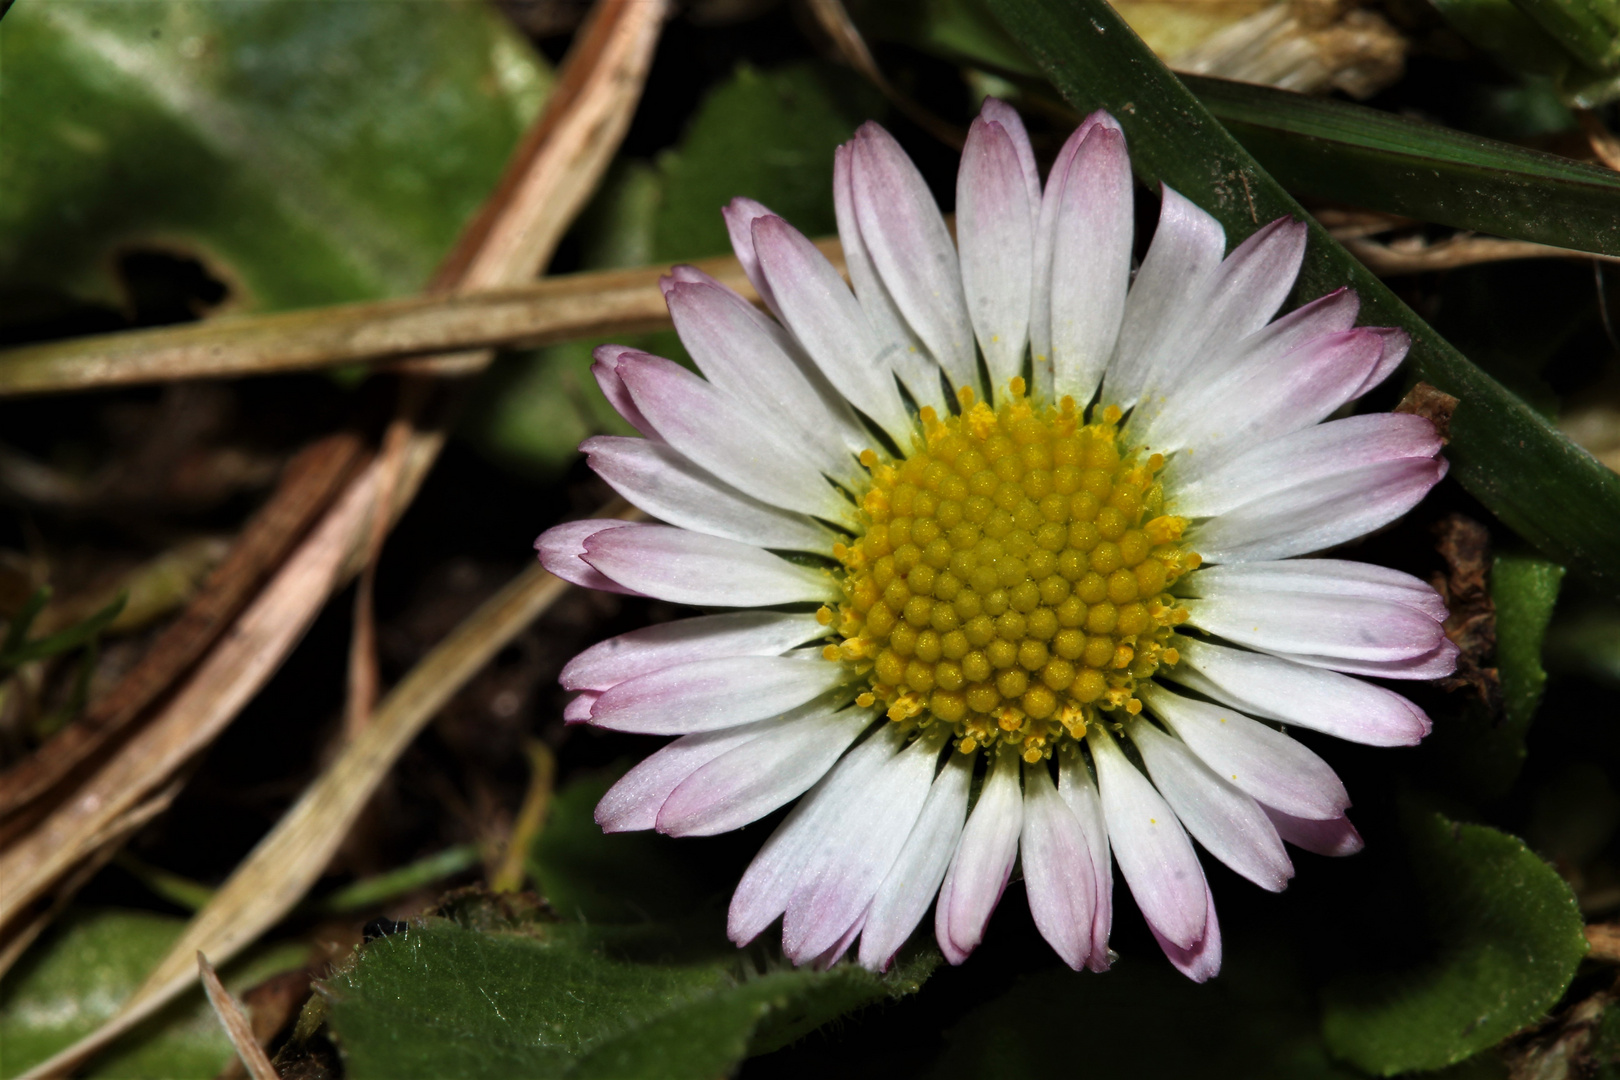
531, 818
538, 313
1390, 260
235, 1022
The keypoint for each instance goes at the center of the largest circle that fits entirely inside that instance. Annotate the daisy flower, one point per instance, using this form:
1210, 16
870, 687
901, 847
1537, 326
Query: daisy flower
1003, 550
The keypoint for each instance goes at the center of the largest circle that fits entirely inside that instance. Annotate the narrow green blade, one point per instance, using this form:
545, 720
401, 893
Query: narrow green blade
1552, 492
1329, 149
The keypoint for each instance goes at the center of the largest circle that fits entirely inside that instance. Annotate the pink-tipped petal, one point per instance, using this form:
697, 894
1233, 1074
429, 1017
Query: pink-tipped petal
1059, 876
1080, 792
710, 694
605, 369
1437, 663
828, 321
914, 879
1276, 770
1168, 293
1328, 626
748, 782
740, 215
1202, 961
857, 854
727, 439
562, 549
1397, 343
996, 111
775, 874
1314, 516
984, 860
901, 349
911, 248
684, 641
578, 709
632, 804
666, 484
1228, 823
1040, 309
1334, 836
1317, 577
1153, 851
690, 568
995, 229
1281, 690
1091, 263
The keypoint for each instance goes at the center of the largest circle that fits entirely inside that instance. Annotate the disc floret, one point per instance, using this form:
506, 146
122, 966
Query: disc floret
1010, 580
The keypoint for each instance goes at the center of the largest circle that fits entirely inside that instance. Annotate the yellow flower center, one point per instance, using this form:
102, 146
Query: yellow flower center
1010, 578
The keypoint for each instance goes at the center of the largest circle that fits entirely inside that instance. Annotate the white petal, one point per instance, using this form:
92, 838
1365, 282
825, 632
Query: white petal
747, 357
1328, 626
710, 694
771, 878
1153, 851
1080, 792
1251, 285
1397, 343
706, 571
905, 235
633, 802
1059, 876
562, 550
1277, 770
748, 782
828, 321
1040, 307
578, 709
983, 862
1229, 823
1317, 515
726, 439
1333, 837
827, 959
666, 484
706, 637
995, 229
1168, 293
915, 877
901, 348
856, 855
1319, 577
1091, 263
1437, 663
1202, 962
1278, 689
1306, 456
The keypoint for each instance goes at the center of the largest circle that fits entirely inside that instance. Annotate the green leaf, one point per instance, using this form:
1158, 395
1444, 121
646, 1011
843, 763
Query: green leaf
1327, 149
1550, 491
599, 877
306, 153
63, 640
764, 135
1524, 590
1146, 1021
1509, 938
75, 977
447, 1001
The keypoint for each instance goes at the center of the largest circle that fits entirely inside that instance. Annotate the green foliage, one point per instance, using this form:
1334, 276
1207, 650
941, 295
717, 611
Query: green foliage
550, 999
1334, 150
17, 649
77, 975
306, 153
765, 135
1508, 936
1524, 590
1506, 455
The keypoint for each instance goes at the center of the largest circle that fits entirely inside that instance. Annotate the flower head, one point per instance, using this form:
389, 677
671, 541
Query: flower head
1003, 511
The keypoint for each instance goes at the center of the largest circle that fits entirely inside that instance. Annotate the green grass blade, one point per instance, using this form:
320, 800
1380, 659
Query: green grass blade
1329, 149
1549, 490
